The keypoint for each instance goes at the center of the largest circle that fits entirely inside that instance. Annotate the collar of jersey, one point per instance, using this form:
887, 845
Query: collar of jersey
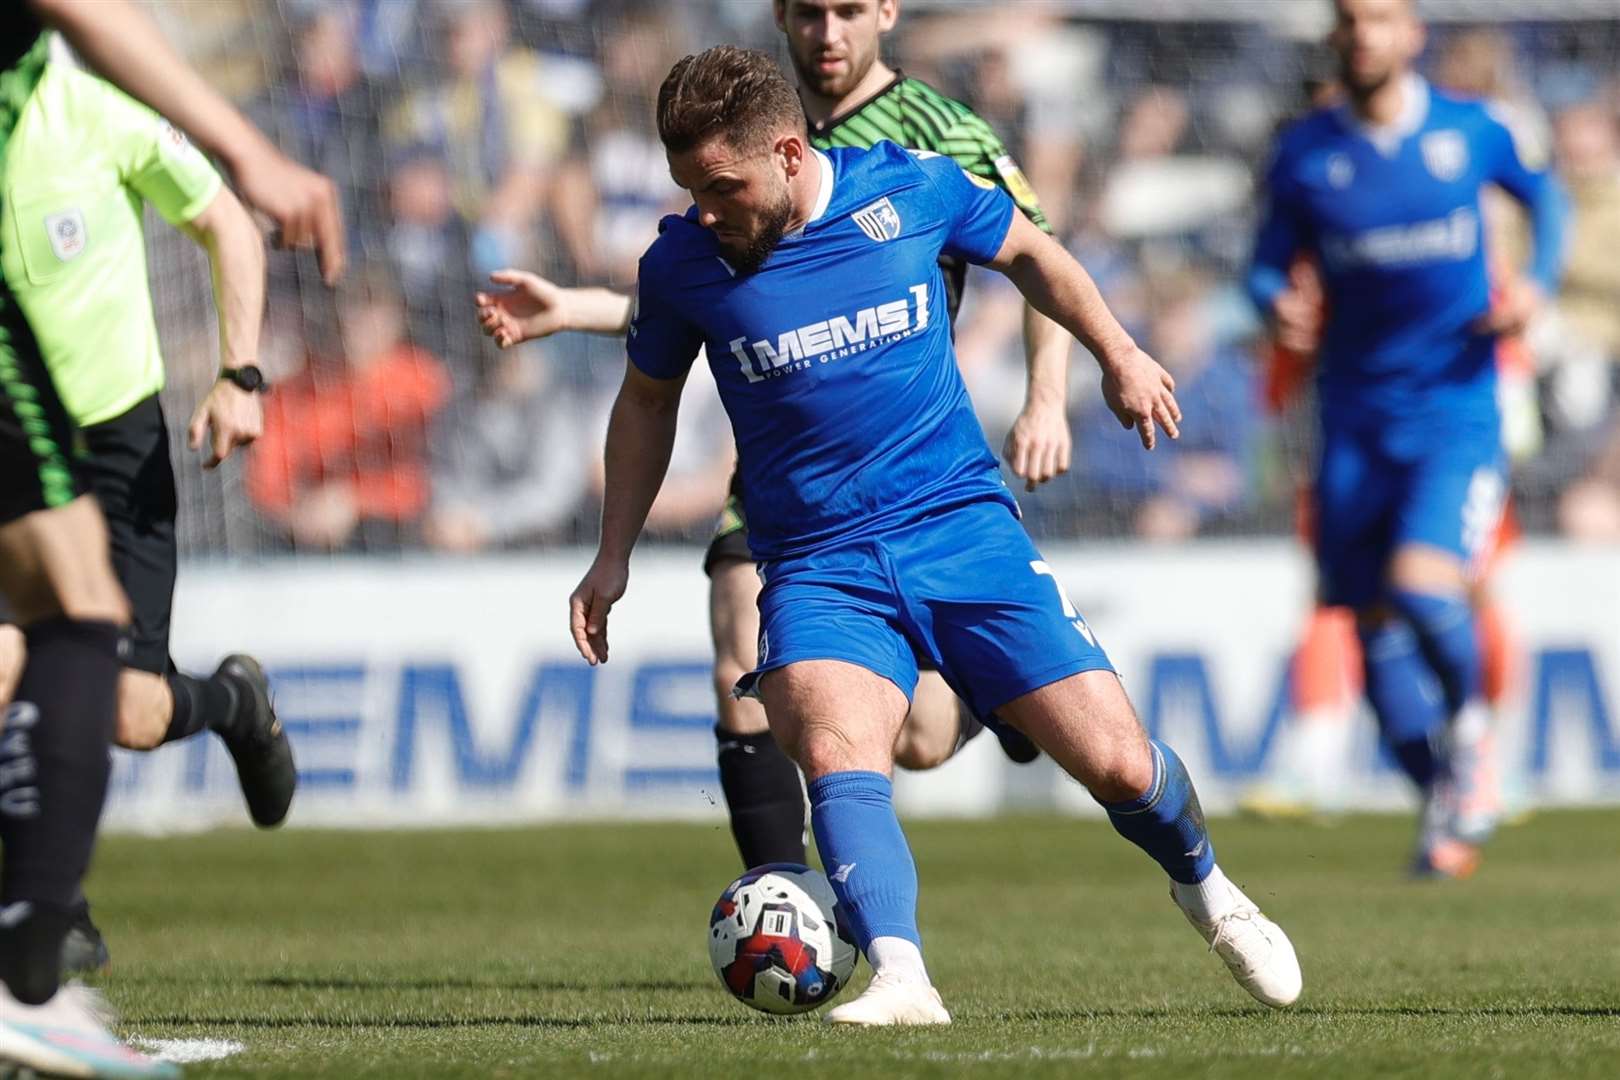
823, 196
827, 125
1387, 138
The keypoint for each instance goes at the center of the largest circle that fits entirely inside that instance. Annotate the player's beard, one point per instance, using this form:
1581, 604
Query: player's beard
773, 223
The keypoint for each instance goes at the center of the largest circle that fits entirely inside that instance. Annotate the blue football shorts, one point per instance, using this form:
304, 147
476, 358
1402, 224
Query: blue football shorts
1448, 492
963, 589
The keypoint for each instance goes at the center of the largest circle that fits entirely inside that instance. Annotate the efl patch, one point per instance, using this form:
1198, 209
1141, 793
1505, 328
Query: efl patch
1445, 153
67, 233
1017, 183
880, 221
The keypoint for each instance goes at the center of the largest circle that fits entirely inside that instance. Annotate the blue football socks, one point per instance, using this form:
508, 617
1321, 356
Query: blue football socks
1448, 639
1166, 821
1405, 697
866, 855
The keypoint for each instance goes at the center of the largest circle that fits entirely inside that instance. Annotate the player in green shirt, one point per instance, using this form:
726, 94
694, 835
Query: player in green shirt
851, 98
82, 161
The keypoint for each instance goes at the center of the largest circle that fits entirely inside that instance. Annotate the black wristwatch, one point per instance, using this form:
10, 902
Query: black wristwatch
248, 377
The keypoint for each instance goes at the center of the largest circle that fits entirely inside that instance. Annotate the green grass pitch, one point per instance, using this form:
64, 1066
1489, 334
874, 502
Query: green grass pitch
580, 951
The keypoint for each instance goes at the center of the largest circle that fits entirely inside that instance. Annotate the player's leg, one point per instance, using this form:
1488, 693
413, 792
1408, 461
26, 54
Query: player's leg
1086, 724
1451, 512
1009, 636
1358, 493
934, 727
764, 796
940, 723
836, 678
133, 477
54, 734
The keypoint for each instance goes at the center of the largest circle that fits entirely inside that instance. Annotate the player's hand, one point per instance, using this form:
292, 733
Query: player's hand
588, 607
1297, 318
1141, 394
531, 308
1516, 302
227, 418
1037, 448
302, 203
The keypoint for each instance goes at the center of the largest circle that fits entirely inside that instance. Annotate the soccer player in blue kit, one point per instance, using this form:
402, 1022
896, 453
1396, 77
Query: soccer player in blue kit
879, 520
1384, 192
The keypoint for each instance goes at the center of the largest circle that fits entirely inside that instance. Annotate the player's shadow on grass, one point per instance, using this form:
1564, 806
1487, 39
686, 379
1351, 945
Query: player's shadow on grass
363, 1023
323, 982
1327, 1011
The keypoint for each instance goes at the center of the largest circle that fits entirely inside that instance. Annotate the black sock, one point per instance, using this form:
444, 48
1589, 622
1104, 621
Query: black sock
210, 703
764, 797
54, 766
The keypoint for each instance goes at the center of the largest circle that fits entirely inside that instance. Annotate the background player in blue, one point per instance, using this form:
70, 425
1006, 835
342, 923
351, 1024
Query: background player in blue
1384, 191
877, 512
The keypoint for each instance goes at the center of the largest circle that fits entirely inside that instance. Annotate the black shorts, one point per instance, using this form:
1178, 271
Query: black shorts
129, 472
41, 453
132, 477
730, 540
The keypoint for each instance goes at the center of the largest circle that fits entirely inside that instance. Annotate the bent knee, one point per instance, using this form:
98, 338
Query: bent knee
144, 710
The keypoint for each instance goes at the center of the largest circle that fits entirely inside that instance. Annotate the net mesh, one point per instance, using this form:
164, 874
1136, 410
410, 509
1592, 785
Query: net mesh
466, 135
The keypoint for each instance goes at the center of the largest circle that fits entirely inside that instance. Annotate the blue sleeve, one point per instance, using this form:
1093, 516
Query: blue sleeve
977, 212
661, 343
1540, 192
1281, 235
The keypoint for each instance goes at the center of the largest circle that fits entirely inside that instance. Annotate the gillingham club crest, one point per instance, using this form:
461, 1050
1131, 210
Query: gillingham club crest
880, 221
1446, 154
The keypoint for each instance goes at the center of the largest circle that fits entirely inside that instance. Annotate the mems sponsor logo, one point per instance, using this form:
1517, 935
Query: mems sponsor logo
1452, 238
832, 339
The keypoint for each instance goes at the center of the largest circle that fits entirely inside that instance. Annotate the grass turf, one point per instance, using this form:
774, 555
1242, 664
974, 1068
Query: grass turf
580, 950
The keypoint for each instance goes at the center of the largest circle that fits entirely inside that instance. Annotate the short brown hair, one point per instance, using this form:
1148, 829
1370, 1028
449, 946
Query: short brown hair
738, 94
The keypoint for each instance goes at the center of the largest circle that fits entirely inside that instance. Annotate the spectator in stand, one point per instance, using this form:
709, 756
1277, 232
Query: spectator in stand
321, 112
1156, 187
343, 462
1588, 308
506, 470
487, 114
608, 199
1587, 138
1193, 482
429, 246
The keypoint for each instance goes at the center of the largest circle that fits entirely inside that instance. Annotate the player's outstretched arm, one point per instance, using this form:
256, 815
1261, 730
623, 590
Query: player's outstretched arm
229, 416
640, 435
1139, 392
117, 39
532, 307
1039, 444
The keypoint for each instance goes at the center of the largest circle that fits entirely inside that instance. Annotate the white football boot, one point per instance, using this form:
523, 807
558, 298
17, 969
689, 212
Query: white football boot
1257, 952
890, 1000
67, 1036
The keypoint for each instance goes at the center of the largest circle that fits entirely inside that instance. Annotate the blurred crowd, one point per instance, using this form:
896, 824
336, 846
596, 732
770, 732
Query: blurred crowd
469, 135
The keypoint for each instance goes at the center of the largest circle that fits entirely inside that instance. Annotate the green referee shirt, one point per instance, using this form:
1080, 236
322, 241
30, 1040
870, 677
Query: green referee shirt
80, 162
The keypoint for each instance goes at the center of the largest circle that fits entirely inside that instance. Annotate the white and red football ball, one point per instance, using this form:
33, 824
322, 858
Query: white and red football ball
777, 939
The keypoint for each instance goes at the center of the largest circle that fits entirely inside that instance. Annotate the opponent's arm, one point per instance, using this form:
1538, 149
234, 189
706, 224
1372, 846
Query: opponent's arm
532, 307
640, 435
236, 257
117, 39
1039, 443
1139, 392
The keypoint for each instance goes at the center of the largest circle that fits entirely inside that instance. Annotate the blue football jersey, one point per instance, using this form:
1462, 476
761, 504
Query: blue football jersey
834, 360
1393, 217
